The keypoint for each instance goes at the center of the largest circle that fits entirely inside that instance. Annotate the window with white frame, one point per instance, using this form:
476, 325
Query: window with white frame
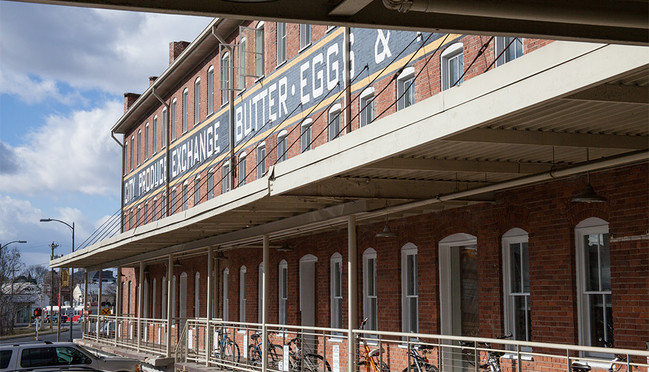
146, 212
241, 83
154, 288
132, 151
516, 285
226, 298
305, 35
225, 78
197, 100
210, 184
165, 123
145, 295
259, 50
124, 155
185, 110
154, 209
185, 194
409, 289
334, 122
452, 63
260, 292
163, 298
197, 190
173, 200
594, 283
154, 132
369, 289
281, 42
173, 297
305, 135
242, 169
163, 205
242, 294
197, 297
137, 215
281, 146
507, 49
174, 112
225, 178
336, 295
283, 291
210, 90
139, 146
128, 302
146, 141
130, 218
261, 160
406, 88
366, 107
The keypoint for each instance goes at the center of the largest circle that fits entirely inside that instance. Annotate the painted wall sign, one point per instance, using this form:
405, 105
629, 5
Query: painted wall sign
314, 74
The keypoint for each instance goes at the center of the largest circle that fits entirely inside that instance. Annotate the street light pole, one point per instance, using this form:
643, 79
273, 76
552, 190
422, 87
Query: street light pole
71, 279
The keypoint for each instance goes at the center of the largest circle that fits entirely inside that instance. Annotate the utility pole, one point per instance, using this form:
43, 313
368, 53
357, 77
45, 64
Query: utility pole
53, 246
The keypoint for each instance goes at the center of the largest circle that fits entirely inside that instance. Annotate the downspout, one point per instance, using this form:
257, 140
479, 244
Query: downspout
233, 168
348, 84
121, 184
167, 131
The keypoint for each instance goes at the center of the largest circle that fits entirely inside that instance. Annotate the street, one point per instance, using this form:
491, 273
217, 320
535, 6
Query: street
65, 336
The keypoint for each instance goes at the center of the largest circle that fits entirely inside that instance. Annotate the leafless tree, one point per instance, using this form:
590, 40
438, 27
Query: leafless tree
9, 263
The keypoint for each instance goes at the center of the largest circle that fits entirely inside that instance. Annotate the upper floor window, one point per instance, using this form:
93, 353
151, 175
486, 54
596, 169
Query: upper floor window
242, 169
173, 200
452, 62
131, 154
163, 205
146, 141
137, 216
508, 49
154, 132
139, 146
595, 309
261, 160
146, 212
197, 190
210, 90
197, 101
283, 291
334, 122
165, 123
409, 289
259, 50
210, 184
225, 178
226, 296
281, 42
516, 285
242, 294
185, 194
406, 88
366, 107
305, 135
154, 209
281, 145
242, 64
225, 78
173, 118
335, 282
185, 109
305, 35
369, 289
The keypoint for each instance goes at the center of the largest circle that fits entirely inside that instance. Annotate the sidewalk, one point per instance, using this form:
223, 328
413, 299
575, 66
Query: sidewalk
28, 331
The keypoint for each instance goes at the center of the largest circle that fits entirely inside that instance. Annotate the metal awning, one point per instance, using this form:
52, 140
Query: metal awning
562, 110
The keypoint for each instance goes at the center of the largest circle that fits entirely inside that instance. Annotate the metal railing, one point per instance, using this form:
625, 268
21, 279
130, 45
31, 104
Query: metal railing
238, 346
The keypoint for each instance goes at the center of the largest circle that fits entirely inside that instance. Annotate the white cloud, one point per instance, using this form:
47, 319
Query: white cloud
17, 217
113, 51
73, 153
33, 90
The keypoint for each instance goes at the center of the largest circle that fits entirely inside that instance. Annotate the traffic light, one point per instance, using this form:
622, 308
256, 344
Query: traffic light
38, 312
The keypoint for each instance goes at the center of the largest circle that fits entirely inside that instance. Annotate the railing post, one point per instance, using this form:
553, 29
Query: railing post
208, 306
264, 302
101, 271
85, 303
476, 356
352, 289
140, 295
568, 360
518, 356
170, 265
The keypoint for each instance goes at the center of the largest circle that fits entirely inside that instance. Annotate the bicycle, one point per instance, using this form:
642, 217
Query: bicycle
227, 350
255, 354
372, 356
493, 357
303, 361
420, 361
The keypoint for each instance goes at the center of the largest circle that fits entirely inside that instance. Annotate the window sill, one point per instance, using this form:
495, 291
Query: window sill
304, 48
335, 339
513, 356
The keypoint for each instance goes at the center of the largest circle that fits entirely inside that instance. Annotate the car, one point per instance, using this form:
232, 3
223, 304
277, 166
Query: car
62, 355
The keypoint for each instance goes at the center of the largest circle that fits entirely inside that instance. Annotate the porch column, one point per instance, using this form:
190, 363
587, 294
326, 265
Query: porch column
264, 302
140, 295
118, 302
101, 271
352, 292
85, 304
208, 306
170, 266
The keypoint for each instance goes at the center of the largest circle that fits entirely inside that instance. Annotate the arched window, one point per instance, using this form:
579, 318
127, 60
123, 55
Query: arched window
242, 294
369, 289
226, 299
197, 292
336, 292
409, 289
516, 285
283, 291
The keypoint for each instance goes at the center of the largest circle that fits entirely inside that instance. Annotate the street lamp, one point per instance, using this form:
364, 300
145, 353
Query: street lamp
15, 241
71, 276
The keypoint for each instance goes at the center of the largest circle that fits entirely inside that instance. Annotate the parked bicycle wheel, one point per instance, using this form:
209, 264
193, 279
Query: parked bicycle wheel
313, 361
275, 353
254, 355
427, 368
230, 353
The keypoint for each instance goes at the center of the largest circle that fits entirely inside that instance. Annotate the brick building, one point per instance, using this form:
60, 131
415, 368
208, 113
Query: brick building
438, 185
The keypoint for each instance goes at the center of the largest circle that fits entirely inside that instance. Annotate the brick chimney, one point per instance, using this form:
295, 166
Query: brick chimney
129, 99
175, 49
152, 80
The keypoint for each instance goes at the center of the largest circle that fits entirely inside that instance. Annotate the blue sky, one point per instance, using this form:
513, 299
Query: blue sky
63, 73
